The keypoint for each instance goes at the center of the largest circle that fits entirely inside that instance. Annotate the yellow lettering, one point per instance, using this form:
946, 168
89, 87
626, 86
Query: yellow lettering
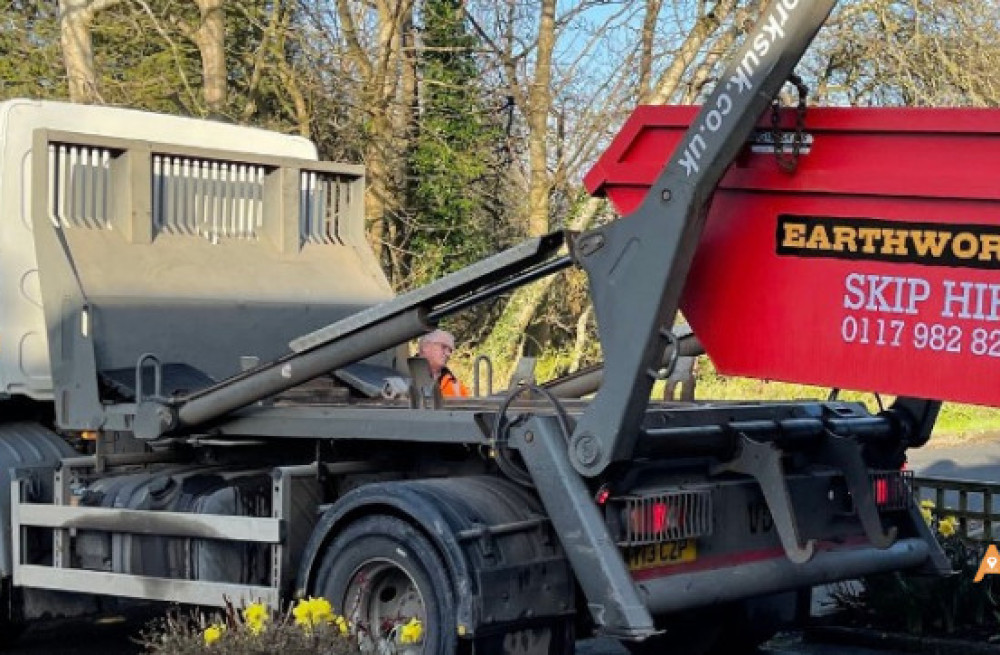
929, 241
869, 235
894, 242
794, 235
818, 239
845, 238
989, 247
965, 245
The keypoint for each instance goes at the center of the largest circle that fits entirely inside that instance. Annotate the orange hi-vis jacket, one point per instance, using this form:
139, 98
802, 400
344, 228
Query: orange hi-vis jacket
450, 385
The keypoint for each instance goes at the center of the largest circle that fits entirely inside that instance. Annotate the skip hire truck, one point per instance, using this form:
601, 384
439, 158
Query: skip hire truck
201, 366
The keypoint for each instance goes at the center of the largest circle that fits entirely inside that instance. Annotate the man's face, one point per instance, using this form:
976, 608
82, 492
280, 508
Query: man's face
437, 352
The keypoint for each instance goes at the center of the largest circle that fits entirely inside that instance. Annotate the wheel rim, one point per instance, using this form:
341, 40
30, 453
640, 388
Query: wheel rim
381, 598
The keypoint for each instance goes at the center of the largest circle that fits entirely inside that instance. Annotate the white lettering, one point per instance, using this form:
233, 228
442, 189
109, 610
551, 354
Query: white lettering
689, 162
854, 283
713, 121
994, 303
920, 290
725, 104
750, 62
876, 287
773, 28
741, 80
761, 45
980, 300
950, 298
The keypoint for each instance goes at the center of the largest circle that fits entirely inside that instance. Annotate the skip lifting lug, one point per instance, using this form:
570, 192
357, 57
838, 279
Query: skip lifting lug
789, 162
762, 460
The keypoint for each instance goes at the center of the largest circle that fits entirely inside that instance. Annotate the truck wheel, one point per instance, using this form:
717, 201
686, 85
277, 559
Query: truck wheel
380, 572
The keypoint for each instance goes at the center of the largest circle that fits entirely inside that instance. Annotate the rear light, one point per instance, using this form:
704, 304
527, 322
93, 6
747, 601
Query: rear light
655, 518
892, 489
665, 516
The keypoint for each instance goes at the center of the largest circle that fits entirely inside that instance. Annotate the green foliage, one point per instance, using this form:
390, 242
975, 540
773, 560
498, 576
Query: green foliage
452, 165
31, 65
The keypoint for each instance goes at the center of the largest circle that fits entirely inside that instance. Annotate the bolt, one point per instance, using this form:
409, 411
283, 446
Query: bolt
588, 450
666, 195
529, 437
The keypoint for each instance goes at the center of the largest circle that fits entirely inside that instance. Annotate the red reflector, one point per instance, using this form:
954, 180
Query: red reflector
881, 491
660, 514
655, 518
603, 495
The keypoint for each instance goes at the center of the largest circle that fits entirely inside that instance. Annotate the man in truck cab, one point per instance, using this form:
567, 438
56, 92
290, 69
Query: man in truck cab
436, 347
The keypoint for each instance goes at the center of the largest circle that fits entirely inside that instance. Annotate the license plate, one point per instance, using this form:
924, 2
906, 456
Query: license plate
653, 556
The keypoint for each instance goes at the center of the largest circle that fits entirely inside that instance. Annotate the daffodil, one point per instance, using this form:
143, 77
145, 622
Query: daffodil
256, 616
411, 632
311, 612
342, 625
213, 633
926, 507
948, 526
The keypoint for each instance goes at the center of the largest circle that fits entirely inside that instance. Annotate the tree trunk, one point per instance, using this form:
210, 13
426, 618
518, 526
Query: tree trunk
381, 72
210, 37
646, 48
75, 19
539, 106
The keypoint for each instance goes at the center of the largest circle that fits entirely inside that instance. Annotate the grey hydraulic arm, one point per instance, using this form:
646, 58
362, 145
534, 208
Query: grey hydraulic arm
355, 337
637, 266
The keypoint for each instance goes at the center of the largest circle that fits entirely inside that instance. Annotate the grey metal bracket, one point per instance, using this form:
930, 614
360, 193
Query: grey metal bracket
844, 454
425, 393
612, 597
69, 317
762, 460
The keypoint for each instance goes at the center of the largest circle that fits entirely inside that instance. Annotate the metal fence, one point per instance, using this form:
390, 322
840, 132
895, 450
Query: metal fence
973, 504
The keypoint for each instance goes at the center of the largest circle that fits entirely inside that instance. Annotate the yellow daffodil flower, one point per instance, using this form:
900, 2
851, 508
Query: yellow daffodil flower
311, 612
213, 633
256, 616
948, 526
925, 511
411, 632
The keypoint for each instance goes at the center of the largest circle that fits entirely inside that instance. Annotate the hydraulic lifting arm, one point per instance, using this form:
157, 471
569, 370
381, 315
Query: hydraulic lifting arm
637, 266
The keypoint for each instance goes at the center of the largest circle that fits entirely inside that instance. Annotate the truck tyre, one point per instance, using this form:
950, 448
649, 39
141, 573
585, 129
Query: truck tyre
380, 572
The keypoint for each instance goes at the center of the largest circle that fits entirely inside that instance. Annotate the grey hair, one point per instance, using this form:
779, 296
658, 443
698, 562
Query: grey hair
431, 336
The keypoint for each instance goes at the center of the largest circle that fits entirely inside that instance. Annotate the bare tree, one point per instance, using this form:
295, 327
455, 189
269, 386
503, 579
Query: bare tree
507, 338
918, 53
382, 57
75, 22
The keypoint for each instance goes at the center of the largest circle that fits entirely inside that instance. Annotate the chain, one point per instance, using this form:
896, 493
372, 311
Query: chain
788, 162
